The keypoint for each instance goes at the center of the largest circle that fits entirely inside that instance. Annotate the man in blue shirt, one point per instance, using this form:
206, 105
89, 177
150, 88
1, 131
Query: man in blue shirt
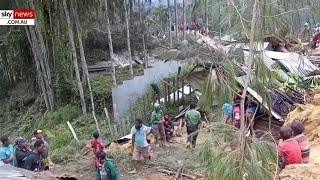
140, 145
6, 151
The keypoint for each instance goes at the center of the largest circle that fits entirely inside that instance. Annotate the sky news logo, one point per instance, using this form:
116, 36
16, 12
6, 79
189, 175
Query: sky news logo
17, 17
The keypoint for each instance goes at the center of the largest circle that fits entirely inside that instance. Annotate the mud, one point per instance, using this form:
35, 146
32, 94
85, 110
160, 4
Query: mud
309, 116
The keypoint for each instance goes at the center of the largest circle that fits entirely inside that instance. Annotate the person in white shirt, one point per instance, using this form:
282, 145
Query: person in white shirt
140, 146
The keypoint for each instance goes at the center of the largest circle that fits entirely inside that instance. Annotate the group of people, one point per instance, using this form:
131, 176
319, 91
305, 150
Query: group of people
293, 147
33, 157
232, 112
162, 129
194, 27
106, 168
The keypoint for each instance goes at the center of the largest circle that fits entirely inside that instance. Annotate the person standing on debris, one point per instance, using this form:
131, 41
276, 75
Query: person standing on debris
297, 128
35, 161
107, 169
96, 145
288, 149
21, 153
168, 127
38, 135
227, 113
157, 125
140, 146
6, 151
193, 120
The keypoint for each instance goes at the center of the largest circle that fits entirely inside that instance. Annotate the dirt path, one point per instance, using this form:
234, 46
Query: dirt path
82, 167
166, 156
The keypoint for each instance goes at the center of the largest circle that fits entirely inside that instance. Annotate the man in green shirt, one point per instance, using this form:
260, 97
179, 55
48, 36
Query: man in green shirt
107, 169
193, 120
157, 124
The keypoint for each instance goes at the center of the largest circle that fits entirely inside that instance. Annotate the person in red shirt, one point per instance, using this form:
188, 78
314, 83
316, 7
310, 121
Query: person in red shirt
288, 149
168, 127
298, 128
96, 146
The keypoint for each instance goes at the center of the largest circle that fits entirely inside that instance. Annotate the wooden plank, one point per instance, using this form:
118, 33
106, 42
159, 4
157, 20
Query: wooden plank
96, 122
124, 127
128, 123
115, 128
108, 121
149, 106
73, 132
165, 91
178, 95
174, 91
169, 90
144, 106
182, 85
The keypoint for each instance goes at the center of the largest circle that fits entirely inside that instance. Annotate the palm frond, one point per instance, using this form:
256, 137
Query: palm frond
229, 158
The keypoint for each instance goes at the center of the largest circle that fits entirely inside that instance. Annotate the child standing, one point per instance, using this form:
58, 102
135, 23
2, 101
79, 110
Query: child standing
297, 128
288, 149
96, 145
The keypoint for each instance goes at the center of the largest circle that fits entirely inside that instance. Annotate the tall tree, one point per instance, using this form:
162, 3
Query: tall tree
35, 51
184, 19
175, 18
125, 5
142, 25
39, 50
113, 74
45, 61
169, 24
82, 55
207, 17
250, 63
74, 57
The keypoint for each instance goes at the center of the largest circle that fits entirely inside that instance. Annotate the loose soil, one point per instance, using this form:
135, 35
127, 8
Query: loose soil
309, 116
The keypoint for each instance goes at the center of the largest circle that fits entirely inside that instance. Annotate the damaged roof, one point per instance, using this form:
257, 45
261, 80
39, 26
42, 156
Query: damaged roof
293, 62
241, 81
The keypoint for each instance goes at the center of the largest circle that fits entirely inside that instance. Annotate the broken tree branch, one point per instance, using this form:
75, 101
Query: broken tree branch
73, 132
170, 173
179, 171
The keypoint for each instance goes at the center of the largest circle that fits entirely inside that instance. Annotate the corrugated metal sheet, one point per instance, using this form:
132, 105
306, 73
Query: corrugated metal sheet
124, 96
258, 97
298, 64
244, 46
293, 62
277, 55
271, 64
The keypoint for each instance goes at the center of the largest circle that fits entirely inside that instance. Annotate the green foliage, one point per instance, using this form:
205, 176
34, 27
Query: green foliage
60, 138
227, 157
67, 153
61, 116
